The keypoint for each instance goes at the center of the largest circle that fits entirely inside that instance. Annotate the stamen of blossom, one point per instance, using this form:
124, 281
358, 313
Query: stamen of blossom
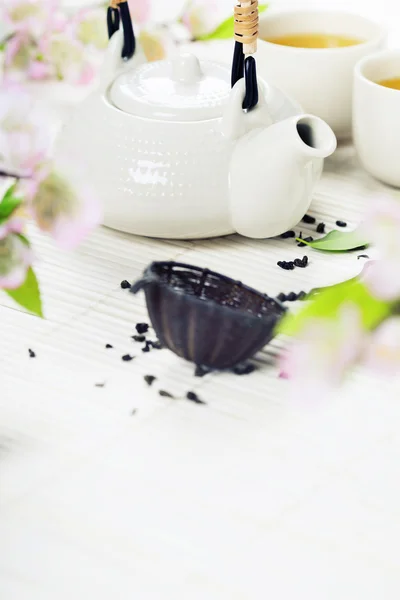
66, 212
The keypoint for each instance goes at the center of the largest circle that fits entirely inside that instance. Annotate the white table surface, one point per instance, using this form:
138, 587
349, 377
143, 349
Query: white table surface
253, 495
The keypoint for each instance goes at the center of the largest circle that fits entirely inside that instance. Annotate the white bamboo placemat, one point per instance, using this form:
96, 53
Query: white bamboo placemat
248, 495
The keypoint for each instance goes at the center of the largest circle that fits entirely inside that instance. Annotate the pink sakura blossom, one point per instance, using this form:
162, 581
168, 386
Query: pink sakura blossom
38, 70
321, 355
27, 15
65, 209
140, 10
383, 350
155, 44
68, 58
12, 225
89, 26
15, 258
381, 227
18, 51
200, 17
24, 138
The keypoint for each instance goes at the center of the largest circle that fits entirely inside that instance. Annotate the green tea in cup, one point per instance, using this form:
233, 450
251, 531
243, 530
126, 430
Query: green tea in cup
314, 40
393, 82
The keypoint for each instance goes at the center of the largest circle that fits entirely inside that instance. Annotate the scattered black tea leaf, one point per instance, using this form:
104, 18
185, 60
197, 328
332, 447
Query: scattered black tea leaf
341, 223
194, 398
362, 256
139, 338
301, 262
287, 266
305, 241
156, 345
291, 297
142, 328
109, 346
127, 357
201, 371
125, 284
244, 369
149, 379
165, 394
308, 219
32, 354
99, 385
320, 228
288, 234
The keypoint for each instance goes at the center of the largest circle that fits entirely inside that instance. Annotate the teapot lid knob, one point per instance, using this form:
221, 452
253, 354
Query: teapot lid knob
186, 69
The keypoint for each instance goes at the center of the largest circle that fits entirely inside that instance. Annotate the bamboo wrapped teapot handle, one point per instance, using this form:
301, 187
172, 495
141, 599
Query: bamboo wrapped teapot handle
246, 24
245, 35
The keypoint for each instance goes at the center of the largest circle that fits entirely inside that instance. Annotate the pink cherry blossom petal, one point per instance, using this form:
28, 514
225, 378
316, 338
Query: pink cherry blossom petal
383, 351
140, 10
69, 233
87, 74
200, 17
13, 225
12, 48
24, 132
38, 70
382, 277
321, 355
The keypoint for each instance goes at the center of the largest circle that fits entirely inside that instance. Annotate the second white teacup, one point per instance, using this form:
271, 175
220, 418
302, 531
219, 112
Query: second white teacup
376, 116
320, 79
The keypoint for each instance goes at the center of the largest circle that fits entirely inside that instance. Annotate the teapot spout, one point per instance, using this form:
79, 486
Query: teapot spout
273, 173
318, 139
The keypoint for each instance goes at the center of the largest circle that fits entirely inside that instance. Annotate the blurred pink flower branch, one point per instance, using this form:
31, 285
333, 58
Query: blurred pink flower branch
58, 203
354, 322
45, 42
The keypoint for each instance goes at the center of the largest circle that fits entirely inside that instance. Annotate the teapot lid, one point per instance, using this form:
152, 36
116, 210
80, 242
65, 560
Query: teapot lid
182, 89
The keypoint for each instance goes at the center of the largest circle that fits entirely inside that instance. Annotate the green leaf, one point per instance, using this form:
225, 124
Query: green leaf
9, 203
28, 294
325, 303
24, 239
224, 31
338, 241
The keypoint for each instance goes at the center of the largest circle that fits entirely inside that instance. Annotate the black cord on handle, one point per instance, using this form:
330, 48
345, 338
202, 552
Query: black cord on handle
114, 15
112, 20
237, 63
246, 68
250, 75
129, 37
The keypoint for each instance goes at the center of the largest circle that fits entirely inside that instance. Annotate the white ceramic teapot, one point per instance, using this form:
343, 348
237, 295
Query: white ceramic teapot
172, 154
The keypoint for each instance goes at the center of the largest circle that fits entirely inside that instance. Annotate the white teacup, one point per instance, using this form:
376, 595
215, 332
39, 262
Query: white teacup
376, 116
320, 79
